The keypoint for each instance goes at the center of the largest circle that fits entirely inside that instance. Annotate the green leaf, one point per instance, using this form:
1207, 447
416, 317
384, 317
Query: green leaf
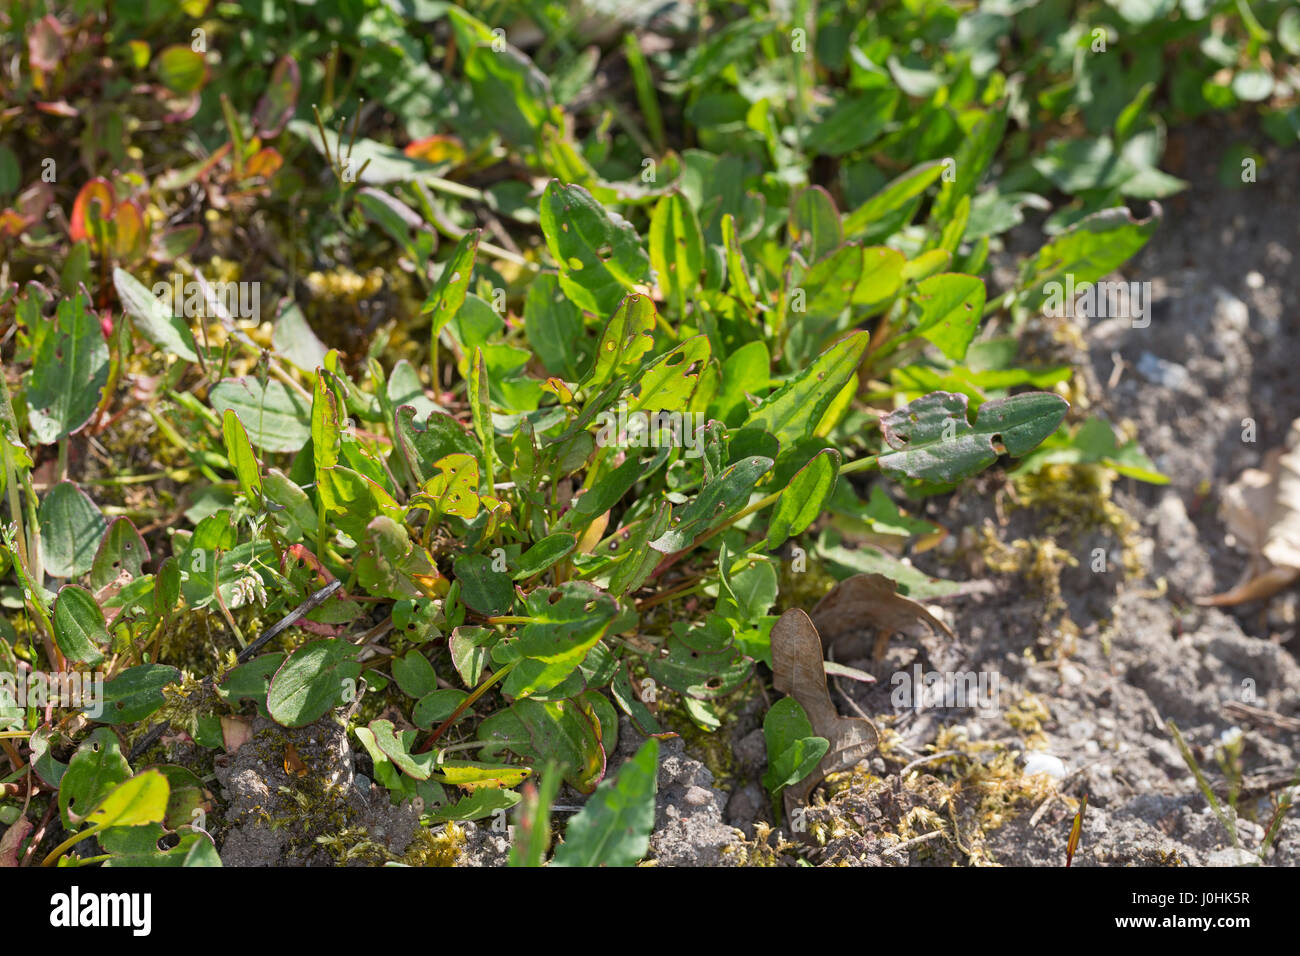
481, 588
1094, 247
567, 731
414, 674
866, 219
511, 90
182, 69
354, 500
599, 253
483, 802
240, 453
71, 529
566, 622
311, 681
251, 680
293, 338
388, 560
397, 748
628, 336
668, 383
79, 628
545, 553
792, 412
276, 416
614, 827
1079, 165
138, 800
931, 438
154, 320
676, 249
436, 707
717, 501
950, 308
95, 769
448, 293
804, 499
815, 223
793, 750
424, 448
470, 646
136, 693
121, 549
554, 329
69, 372
138, 846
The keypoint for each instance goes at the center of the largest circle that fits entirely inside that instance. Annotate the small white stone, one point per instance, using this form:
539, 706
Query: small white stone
1254, 280
1036, 761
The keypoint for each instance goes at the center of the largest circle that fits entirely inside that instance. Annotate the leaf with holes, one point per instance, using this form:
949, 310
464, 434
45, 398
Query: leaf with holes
454, 489
670, 380
628, 335
792, 412
95, 769
599, 252
717, 501
932, 438
949, 309
135, 693
676, 249
122, 549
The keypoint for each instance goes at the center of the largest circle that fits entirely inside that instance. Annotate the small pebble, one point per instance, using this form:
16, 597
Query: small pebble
1038, 762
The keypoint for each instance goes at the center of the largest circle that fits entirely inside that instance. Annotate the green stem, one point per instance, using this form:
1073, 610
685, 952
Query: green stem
466, 704
67, 845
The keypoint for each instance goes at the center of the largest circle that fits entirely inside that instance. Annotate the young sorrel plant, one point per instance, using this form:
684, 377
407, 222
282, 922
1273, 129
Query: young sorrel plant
625, 367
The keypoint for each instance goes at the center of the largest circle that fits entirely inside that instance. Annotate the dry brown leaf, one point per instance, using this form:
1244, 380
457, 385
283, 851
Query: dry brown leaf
1262, 512
12, 841
235, 732
869, 600
798, 671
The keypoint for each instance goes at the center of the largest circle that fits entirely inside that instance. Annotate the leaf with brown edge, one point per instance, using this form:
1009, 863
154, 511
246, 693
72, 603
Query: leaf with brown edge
798, 671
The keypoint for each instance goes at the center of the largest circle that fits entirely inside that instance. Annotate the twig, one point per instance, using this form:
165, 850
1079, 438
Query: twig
924, 838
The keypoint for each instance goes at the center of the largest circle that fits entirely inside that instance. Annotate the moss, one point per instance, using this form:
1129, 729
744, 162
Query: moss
1026, 716
1075, 500
713, 748
442, 847
768, 848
